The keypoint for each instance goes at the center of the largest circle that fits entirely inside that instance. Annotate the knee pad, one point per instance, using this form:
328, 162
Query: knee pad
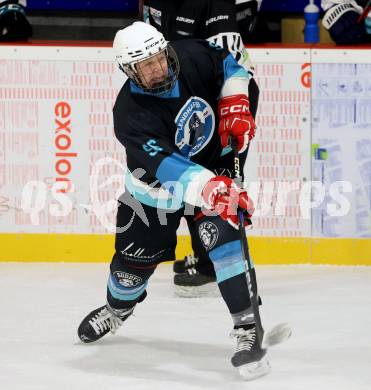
223, 246
125, 289
214, 232
126, 284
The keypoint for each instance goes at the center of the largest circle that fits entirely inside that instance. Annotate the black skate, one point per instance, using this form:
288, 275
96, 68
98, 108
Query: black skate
101, 321
181, 266
249, 358
193, 284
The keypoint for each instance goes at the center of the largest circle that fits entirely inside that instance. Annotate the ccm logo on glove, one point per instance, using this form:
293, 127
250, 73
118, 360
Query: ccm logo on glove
235, 108
235, 120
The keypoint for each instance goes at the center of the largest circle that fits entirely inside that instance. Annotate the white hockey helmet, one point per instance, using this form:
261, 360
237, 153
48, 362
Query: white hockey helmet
138, 42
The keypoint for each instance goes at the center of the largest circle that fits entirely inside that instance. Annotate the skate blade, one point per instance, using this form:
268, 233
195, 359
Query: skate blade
276, 335
209, 290
255, 370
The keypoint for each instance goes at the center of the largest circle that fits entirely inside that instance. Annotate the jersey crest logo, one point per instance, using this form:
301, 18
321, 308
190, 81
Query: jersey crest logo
195, 124
151, 147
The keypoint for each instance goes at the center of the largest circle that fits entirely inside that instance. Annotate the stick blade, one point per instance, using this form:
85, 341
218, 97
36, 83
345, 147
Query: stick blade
276, 335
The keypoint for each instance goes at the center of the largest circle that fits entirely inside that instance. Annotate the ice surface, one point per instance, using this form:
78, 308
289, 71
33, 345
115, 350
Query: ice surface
175, 343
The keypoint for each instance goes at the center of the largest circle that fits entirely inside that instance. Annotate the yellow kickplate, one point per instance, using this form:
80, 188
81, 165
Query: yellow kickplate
264, 250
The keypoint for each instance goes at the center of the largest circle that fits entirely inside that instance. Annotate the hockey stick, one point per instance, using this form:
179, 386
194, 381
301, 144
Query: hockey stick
280, 332
365, 12
140, 10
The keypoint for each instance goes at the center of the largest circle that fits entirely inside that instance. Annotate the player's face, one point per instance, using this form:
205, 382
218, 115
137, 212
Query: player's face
153, 71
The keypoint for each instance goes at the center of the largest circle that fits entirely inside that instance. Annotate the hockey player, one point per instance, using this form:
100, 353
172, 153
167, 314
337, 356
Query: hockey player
14, 25
175, 115
247, 18
218, 21
227, 23
348, 21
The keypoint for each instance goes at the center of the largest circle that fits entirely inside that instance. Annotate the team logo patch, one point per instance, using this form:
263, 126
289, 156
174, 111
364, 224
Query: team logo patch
195, 124
127, 280
209, 234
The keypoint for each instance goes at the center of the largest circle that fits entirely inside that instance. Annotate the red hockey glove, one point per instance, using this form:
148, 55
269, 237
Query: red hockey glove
236, 120
224, 196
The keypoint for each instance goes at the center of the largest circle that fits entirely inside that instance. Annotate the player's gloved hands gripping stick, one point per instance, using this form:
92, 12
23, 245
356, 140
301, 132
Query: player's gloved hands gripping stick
221, 194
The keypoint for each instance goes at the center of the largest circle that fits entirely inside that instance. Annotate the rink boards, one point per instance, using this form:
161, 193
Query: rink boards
314, 123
